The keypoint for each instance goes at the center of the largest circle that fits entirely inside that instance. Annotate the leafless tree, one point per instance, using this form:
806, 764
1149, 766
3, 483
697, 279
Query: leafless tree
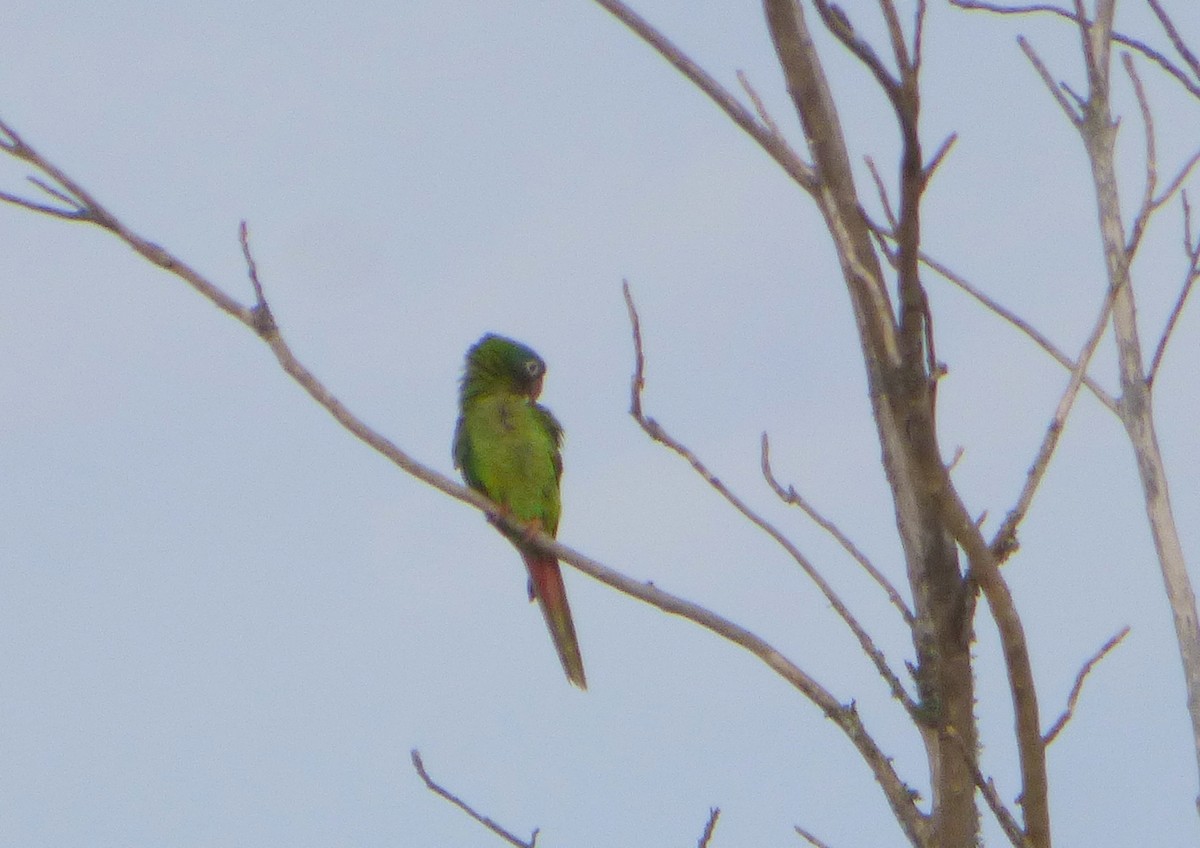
949, 561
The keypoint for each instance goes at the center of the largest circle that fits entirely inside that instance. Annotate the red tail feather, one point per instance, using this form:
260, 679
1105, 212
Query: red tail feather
546, 584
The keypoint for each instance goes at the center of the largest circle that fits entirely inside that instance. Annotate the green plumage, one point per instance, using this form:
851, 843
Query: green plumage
507, 446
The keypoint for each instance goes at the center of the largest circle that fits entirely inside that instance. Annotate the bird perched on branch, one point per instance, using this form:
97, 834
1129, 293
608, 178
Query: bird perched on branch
507, 445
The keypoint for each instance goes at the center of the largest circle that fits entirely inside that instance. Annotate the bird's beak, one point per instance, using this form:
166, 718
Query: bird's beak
536, 389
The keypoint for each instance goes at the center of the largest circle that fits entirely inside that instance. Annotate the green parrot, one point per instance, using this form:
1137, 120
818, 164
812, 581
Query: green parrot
507, 445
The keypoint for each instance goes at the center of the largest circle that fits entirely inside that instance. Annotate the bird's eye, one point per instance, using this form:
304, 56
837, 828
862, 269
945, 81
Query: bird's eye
533, 368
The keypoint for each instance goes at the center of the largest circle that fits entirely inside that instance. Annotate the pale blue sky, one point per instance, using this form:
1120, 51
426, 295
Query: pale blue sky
225, 622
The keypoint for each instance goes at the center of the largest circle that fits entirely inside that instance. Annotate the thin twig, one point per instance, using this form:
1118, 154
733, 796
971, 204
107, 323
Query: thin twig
759, 106
1177, 182
251, 266
1148, 205
1005, 541
845, 717
809, 838
655, 431
55, 193
43, 209
91, 211
1056, 90
881, 189
838, 23
918, 36
507, 836
264, 320
706, 836
939, 155
896, 36
1097, 70
791, 496
1189, 281
1020, 324
1011, 317
1177, 41
1073, 699
1132, 43
1150, 202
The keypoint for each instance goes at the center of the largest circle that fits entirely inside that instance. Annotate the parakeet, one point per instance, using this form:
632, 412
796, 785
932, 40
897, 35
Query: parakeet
507, 445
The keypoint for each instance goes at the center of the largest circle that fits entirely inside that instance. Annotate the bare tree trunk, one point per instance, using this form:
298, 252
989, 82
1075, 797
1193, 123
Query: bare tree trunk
1136, 409
1099, 133
902, 402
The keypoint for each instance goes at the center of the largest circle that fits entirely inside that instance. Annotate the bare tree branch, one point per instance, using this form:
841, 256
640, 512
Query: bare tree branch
919, 36
791, 496
1021, 324
881, 189
768, 139
434, 787
42, 208
1073, 699
1150, 202
1134, 44
759, 106
838, 23
995, 306
706, 836
809, 838
1189, 280
1177, 182
1004, 543
256, 318
1148, 205
1056, 90
53, 192
1177, 41
91, 211
939, 155
896, 36
655, 431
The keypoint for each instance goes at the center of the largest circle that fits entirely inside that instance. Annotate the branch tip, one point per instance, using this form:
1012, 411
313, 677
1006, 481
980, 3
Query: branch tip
1077, 688
714, 813
441, 791
791, 497
809, 838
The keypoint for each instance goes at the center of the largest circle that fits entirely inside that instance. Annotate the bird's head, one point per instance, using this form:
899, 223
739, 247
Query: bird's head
496, 363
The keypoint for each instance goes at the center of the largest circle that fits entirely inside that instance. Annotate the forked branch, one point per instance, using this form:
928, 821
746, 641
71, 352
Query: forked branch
655, 431
794, 498
1192, 249
910, 818
257, 319
1179, 74
1151, 202
709, 827
438, 789
1021, 324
